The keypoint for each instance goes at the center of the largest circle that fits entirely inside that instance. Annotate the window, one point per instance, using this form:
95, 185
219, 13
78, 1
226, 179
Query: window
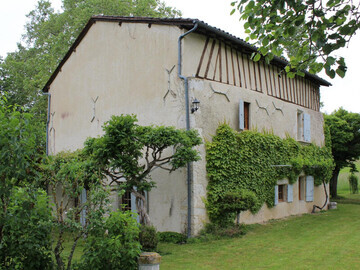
301, 188
244, 115
125, 202
303, 127
281, 193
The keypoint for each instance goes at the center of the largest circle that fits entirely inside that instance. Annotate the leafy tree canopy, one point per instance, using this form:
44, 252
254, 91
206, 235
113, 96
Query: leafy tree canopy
344, 129
127, 153
48, 37
309, 32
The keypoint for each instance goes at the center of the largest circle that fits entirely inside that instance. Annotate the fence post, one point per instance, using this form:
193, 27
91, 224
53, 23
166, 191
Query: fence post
149, 261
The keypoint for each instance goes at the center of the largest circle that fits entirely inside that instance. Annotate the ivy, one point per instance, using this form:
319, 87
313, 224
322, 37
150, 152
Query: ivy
255, 161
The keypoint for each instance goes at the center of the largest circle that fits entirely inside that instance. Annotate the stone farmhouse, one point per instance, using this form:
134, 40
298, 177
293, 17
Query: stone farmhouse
159, 69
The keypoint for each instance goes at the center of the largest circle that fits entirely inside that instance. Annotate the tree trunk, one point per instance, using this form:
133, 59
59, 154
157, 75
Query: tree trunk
333, 182
141, 207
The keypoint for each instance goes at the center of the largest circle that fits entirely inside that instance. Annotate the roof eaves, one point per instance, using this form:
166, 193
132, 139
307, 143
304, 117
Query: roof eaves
203, 28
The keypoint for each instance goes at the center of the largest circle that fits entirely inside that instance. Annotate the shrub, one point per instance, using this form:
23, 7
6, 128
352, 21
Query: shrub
148, 238
113, 244
26, 238
172, 237
353, 181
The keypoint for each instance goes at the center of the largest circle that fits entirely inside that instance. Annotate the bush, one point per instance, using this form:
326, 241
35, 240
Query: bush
172, 237
148, 238
26, 239
112, 245
353, 181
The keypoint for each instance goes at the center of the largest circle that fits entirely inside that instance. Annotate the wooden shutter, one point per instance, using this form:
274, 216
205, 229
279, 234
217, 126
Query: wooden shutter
309, 197
276, 195
241, 115
290, 193
83, 211
307, 128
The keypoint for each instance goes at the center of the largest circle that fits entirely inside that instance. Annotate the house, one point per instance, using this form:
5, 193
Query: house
159, 69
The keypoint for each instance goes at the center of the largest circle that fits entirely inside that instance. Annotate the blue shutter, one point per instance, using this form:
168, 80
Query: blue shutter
290, 193
83, 211
276, 195
307, 128
241, 115
309, 197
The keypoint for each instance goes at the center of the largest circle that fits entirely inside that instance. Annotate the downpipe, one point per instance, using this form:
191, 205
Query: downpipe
47, 122
187, 111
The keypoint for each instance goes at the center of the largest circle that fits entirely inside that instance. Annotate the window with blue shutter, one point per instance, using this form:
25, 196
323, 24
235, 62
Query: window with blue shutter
309, 197
289, 193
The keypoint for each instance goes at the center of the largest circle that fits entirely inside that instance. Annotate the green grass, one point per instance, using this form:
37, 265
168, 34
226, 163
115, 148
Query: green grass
327, 240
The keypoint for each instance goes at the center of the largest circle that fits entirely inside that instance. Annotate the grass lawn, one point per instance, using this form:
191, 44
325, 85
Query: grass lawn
326, 240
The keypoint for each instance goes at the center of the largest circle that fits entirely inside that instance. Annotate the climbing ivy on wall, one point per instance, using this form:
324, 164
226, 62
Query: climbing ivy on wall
254, 161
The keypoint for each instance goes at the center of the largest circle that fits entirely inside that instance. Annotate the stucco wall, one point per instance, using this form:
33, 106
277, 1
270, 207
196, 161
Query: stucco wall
266, 113
132, 69
127, 68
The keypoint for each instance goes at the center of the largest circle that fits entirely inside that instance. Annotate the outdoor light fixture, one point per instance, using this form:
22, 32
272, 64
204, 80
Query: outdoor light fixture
195, 105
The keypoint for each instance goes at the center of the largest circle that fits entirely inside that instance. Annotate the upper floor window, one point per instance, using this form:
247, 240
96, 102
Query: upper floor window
303, 127
244, 115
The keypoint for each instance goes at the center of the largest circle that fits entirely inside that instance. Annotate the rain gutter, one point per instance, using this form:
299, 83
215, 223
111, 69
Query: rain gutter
187, 112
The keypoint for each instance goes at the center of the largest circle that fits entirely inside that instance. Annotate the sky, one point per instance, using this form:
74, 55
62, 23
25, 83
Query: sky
343, 92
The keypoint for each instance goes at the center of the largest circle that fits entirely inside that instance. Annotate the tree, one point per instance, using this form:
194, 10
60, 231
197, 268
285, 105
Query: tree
236, 201
313, 29
23, 206
69, 176
48, 37
127, 153
345, 142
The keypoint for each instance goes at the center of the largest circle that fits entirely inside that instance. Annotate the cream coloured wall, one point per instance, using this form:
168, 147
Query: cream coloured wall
127, 68
266, 113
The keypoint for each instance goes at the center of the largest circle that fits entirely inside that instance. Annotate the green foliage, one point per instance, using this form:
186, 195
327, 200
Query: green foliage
20, 153
48, 37
113, 244
67, 176
26, 235
130, 151
148, 238
344, 128
310, 32
235, 201
353, 181
172, 237
247, 163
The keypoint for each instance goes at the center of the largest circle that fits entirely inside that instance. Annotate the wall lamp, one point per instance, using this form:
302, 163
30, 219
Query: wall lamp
195, 105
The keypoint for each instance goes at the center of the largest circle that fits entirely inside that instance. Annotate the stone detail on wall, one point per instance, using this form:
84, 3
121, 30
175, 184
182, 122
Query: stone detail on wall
94, 111
278, 108
219, 93
262, 107
169, 84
